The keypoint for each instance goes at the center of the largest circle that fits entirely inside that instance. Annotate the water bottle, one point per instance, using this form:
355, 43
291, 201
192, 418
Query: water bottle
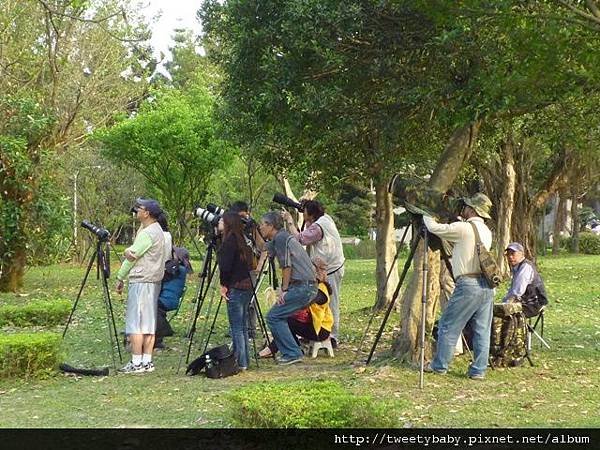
209, 363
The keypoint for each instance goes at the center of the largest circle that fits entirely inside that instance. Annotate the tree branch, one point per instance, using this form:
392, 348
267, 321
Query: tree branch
79, 18
593, 7
579, 12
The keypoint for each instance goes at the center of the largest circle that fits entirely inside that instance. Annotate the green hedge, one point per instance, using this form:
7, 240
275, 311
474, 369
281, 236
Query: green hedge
29, 354
305, 404
35, 313
364, 250
589, 243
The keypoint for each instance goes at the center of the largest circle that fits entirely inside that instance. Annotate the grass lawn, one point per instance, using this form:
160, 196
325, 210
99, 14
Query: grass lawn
561, 390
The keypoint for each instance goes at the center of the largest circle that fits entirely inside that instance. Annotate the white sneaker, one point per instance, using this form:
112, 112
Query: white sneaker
149, 367
130, 367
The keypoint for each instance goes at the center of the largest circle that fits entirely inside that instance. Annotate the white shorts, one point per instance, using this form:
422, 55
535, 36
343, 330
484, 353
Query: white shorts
142, 304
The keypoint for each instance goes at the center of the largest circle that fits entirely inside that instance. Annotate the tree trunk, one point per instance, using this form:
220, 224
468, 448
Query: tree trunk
11, 277
574, 221
385, 245
506, 205
406, 345
559, 221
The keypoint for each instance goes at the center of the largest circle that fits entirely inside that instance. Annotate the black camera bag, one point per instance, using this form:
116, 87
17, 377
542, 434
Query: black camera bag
223, 363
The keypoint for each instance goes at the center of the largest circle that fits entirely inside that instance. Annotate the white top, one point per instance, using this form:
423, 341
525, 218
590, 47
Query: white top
329, 248
168, 244
464, 255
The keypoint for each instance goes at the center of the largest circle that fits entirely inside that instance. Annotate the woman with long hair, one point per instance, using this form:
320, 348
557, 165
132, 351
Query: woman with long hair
235, 263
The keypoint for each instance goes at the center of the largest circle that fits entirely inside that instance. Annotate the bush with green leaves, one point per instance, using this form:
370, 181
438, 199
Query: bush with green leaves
589, 243
301, 404
35, 313
29, 354
364, 250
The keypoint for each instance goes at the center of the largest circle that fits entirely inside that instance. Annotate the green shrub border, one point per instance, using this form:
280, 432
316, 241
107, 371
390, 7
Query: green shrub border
35, 313
305, 404
29, 354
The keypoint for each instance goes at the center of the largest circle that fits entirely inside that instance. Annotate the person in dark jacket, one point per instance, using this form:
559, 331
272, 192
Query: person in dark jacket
527, 286
235, 263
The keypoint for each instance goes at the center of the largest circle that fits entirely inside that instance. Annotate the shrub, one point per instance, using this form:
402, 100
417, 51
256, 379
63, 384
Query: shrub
589, 243
35, 313
364, 250
305, 404
28, 354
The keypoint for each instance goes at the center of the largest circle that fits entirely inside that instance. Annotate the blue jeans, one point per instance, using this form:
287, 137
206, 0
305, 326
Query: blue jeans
472, 298
297, 297
237, 311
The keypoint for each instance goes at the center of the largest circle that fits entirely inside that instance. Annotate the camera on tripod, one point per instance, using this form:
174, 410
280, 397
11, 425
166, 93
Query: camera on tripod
286, 201
207, 216
101, 233
418, 199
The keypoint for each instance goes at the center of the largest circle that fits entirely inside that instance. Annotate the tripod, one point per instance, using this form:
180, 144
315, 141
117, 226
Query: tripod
423, 234
207, 273
102, 258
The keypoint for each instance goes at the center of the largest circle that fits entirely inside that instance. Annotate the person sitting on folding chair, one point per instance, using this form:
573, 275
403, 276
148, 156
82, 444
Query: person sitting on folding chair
527, 286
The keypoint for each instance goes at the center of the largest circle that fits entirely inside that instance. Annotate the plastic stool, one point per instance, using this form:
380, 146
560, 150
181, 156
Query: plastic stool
318, 345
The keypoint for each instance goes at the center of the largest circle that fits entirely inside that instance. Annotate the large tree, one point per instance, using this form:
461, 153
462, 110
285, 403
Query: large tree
327, 89
367, 88
172, 142
73, 64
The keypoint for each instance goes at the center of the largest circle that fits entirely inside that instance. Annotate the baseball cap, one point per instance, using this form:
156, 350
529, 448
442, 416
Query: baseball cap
515, 247
150, 205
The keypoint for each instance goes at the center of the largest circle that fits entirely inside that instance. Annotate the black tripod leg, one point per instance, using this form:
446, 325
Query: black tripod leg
110, 319
407, 264
212, 327
207, 275
87, 272
374, 313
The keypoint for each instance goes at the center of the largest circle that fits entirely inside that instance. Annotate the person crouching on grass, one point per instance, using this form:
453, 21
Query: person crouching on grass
298, 285
144, 265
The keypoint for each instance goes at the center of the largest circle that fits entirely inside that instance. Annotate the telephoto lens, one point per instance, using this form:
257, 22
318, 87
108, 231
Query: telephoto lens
217, 210
207, 216
286, 201
101, 233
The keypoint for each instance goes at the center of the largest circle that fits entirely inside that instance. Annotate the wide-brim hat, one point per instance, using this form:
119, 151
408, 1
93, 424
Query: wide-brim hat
481, 204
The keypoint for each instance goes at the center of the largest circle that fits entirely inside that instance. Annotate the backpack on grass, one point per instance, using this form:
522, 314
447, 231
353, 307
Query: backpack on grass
222, 363
508, 346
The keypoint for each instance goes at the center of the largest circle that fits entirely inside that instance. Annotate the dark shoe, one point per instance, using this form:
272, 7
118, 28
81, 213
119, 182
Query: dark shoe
477, 376
428, 369
289, 361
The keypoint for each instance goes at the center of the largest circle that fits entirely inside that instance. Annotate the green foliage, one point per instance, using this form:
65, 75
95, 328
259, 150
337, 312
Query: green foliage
32, 210
589, 243
352, 208
35, 313
305, 404
364, 250
172, 143
28, 354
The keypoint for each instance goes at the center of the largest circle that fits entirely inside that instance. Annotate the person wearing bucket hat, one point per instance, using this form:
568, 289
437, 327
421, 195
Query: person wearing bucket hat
472, 298
144, 266
527, 286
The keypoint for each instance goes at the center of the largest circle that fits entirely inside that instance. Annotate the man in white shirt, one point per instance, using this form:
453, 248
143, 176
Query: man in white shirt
472, 297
